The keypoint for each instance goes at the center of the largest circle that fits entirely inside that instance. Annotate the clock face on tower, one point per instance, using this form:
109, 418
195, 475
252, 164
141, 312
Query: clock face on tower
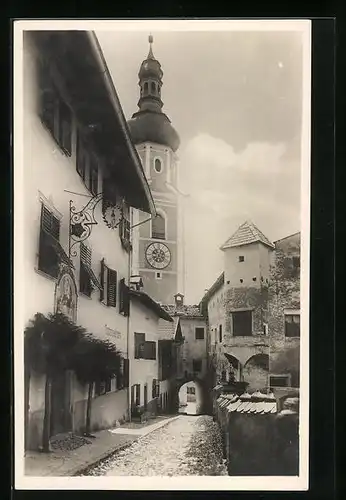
158, 255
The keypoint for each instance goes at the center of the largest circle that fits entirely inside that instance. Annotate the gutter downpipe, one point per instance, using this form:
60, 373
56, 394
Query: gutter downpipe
129, 266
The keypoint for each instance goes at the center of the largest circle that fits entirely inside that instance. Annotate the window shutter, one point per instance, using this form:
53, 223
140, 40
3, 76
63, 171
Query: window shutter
153, 389
126, 372
111, 287
150, 350
81, 159
85, 254
102, 280
138, 394
65, 127
124, 302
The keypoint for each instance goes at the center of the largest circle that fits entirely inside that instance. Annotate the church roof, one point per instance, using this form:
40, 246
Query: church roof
151, 126
149, 123
245, 234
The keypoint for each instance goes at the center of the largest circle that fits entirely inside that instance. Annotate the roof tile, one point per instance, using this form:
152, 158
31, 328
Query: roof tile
245, 234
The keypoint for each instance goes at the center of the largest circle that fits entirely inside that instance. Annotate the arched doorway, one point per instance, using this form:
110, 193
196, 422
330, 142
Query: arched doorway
234, 368
202, 393
255, 371
190, 398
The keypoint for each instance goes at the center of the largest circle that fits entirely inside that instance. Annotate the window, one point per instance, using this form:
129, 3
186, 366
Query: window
242, 323
50, 251
292, 325
155, 392
81, 158
87, 278
65, 128
199, 333
144, 349
124, 298
146, 88
139, 345
103, 386
279, 380
190, 390
220, 333
122, 379
54, 112
153, 88
158, 276
158, 165
93, 176
108, 292
197, 365
241, 258
158, 227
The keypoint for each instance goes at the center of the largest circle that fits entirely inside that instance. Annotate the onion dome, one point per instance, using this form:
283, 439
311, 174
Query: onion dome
149, 123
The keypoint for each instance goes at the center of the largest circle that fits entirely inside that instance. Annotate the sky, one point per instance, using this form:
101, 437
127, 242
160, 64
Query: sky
235, 99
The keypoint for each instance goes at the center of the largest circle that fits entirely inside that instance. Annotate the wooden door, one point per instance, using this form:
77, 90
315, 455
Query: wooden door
60, 414
145, 396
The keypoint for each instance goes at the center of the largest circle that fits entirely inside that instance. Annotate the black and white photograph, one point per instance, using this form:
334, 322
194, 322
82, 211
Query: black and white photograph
161, 254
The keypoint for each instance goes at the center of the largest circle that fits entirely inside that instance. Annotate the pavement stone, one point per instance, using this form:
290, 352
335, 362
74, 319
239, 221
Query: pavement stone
74, 462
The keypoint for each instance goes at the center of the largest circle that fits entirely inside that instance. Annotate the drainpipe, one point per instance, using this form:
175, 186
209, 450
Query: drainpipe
129, 266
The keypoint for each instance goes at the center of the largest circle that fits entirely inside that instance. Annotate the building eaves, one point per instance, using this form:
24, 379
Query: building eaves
151, 304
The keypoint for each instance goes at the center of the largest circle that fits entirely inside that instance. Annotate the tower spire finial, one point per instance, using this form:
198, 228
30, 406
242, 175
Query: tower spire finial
151, 41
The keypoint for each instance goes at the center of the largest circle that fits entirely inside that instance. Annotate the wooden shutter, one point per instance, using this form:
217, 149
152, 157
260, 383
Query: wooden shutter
85, 254
145, 395
138, 394
49, 223
102, 280
124, 302
65, 127
111, 287
93, 175
126, 372
81, 160
150, 350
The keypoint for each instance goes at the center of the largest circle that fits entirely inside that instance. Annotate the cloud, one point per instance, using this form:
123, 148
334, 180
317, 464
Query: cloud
260, 183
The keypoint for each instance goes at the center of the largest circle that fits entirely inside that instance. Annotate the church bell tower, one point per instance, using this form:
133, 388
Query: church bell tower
156, 242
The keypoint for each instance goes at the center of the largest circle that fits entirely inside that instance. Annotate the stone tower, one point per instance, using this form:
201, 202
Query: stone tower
156, 252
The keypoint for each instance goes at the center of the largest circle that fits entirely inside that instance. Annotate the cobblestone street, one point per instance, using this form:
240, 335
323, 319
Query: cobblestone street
189, 445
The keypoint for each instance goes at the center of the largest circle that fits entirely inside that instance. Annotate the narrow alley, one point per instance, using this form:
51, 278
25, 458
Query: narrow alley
187, 446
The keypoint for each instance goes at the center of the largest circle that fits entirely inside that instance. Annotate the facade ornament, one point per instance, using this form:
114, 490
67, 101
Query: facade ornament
82, 221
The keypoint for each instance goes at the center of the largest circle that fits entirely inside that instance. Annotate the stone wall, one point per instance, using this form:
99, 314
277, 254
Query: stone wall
260, 444
284, 296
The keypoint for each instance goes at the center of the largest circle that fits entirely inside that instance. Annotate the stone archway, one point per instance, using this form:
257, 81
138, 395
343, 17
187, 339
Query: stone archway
235, 367
202, 384
256, 370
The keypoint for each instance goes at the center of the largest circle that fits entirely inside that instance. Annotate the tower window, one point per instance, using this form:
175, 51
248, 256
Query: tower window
158, 165
158, 228
241, 258
145, 88
158, 276
153, 88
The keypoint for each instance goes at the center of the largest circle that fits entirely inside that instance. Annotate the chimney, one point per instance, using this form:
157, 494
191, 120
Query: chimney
179, 299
